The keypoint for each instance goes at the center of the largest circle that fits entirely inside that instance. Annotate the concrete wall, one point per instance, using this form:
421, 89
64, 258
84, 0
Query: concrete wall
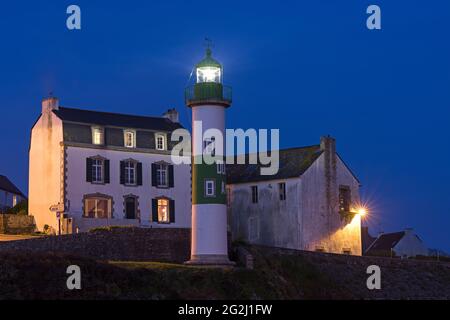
16, 224
76, 187
410, 246
45, 169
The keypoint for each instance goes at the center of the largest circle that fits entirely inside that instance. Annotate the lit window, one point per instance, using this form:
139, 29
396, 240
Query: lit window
130, 172
163, 211
14, 202
282, 190
160, 142
210, 188
254, 194
129, 137
97, 171
97, 136
161, 175
97, 207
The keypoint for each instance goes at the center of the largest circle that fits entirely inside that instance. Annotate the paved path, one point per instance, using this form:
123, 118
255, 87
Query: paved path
12, 237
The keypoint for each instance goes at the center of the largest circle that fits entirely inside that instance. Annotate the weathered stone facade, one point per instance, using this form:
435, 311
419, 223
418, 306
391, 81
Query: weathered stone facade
308, 218
16, 224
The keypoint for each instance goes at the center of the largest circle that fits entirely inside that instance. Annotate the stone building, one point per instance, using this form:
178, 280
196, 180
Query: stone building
310, 204
89, 169
10, 195
398, 244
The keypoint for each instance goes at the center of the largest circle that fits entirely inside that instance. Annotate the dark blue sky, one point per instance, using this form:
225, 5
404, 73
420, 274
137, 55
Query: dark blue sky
307, 67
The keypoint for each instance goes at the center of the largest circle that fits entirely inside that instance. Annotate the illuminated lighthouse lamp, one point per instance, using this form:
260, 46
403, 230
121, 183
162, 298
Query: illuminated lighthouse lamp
209, 70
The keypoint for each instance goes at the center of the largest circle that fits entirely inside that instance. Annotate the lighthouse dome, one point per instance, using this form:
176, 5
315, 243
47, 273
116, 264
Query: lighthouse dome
209, 69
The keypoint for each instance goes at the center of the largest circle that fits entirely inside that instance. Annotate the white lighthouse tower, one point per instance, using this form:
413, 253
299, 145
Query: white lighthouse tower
208, 99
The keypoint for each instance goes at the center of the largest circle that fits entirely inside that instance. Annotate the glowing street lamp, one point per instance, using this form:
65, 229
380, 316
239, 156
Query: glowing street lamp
362, 211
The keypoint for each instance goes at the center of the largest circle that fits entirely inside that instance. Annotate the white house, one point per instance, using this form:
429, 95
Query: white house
90, 168
10, 195
310, 204
401, 244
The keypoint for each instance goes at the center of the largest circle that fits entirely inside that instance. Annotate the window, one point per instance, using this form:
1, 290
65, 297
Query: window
209, 146
130, 172
254, 194
97, 207
129, 137
220, 167
223, 188
210, 188
97, 135
282, 190
163, 211
97, 170
161, 175
344, 198
253, 229
14, 202
160, 142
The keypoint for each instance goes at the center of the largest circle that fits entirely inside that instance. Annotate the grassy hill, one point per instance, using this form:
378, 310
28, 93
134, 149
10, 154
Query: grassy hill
278, 274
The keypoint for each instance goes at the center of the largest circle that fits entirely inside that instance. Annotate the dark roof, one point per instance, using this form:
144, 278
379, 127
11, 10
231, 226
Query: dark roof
366, 238
386, 242
7, 185
116, 119
293, 163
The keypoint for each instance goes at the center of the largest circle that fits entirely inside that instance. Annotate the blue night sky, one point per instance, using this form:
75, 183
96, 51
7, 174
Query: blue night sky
309, 68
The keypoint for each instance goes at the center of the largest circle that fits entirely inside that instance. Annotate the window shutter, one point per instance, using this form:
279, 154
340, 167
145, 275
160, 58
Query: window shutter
88, 169
106, 169
170, 176
122, 172
154, 210
139, 173
172, 211
154, 174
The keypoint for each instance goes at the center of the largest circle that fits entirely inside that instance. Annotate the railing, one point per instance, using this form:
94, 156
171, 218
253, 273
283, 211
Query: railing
208, 92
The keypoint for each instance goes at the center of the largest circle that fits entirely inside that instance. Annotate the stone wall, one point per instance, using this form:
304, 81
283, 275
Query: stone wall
16, 224
127, 243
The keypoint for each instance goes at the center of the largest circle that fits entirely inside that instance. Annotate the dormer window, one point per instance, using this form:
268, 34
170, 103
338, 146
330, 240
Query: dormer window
97, 136
130, 138
160, 141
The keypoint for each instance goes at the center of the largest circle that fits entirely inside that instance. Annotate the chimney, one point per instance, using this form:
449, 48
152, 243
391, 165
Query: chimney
49, 104
328, 143
172, 115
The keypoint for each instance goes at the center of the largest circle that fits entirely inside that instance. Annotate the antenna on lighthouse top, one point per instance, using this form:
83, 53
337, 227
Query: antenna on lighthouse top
208, 44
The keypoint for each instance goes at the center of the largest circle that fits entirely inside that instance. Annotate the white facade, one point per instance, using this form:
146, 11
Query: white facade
410, 245
77, 188
58, 176
307, 219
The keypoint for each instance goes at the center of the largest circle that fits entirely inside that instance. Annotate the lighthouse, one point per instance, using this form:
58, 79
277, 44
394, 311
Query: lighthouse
208, 99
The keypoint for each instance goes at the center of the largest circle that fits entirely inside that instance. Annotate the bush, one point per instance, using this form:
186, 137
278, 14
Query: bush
21, 208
